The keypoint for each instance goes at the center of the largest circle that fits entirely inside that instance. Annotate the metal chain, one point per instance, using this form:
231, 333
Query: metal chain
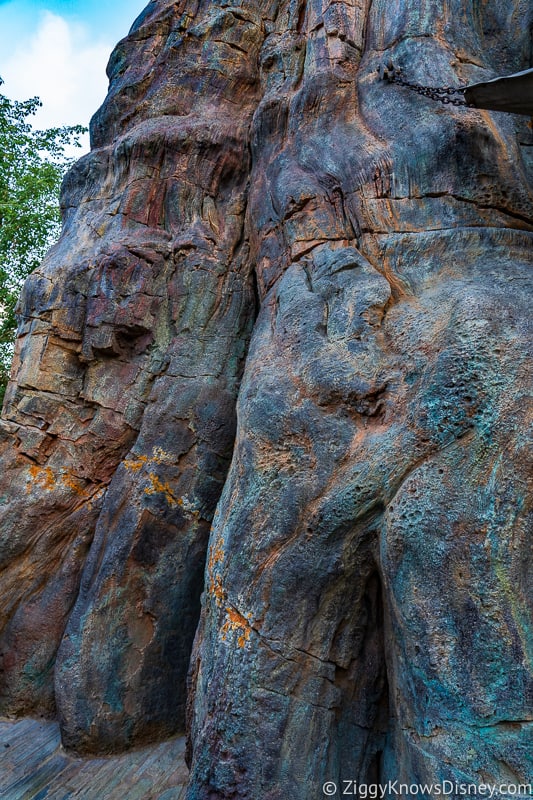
442, 94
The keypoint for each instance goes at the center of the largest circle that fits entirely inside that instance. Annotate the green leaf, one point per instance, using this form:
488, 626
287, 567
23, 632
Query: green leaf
32, 166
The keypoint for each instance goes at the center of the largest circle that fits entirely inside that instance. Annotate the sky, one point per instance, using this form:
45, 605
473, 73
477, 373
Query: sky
58, 50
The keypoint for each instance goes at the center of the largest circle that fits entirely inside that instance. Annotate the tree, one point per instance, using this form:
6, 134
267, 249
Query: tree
32, 165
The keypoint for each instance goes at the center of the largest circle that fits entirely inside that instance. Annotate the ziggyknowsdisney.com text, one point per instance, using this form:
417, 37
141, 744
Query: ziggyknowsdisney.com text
375, 791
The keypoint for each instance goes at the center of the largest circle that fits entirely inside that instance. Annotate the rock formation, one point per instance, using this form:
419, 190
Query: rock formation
257, 199
122, 409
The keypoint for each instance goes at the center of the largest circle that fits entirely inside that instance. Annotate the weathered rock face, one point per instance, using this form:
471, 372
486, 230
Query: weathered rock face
367, 603
368, 592
121, 417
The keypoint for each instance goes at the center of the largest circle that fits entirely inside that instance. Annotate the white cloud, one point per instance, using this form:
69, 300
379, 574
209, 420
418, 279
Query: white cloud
61, 65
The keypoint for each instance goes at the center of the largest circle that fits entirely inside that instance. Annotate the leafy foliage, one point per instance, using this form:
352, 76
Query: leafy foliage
32, 165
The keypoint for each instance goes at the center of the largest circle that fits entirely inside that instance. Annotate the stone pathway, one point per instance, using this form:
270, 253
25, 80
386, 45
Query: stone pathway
33, 766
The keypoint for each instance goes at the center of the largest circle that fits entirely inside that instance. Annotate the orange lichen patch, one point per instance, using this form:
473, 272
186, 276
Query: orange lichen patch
137, 463
157, 486
45, 477
42, 476
73, 483
160, 456
216, 556
236, 622
217, 590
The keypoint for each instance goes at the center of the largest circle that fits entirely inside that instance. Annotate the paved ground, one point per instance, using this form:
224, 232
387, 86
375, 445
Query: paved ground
33, 766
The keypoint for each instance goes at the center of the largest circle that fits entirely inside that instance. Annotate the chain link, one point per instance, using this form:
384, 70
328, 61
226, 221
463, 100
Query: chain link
442, 94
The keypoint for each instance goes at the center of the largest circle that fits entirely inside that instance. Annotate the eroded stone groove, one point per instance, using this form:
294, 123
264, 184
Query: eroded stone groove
367, 595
